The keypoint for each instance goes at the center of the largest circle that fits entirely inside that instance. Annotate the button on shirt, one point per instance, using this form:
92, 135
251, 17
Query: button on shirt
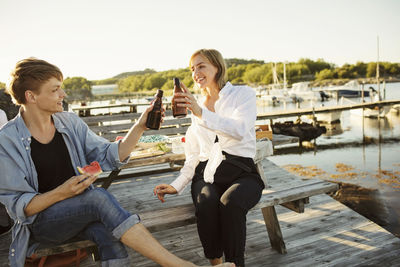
18, 176
233, 121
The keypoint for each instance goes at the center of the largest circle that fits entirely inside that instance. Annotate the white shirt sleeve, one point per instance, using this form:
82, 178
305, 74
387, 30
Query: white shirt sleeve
192, 151
236, 124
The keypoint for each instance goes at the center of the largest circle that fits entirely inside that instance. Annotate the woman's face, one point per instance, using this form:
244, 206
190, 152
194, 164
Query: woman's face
203, 72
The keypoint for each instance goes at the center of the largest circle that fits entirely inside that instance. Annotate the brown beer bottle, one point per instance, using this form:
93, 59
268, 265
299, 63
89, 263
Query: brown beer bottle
154, 117
178, 112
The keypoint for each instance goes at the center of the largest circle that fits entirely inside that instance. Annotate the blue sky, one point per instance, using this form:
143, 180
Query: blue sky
100, 39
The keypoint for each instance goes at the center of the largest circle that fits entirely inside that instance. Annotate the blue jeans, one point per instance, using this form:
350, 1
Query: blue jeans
95, 215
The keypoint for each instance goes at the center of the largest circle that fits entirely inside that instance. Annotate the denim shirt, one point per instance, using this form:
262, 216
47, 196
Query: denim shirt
18, 176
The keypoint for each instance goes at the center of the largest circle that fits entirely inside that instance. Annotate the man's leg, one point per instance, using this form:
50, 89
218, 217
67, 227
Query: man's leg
74, 214
112, 252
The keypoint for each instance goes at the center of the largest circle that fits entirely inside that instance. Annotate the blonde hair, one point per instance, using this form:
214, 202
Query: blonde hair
217, 61
30, 74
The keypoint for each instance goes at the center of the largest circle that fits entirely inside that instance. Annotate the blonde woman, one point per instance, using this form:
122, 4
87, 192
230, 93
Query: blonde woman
220, 147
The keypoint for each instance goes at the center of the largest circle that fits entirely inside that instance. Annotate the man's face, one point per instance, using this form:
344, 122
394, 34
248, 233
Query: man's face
50, 96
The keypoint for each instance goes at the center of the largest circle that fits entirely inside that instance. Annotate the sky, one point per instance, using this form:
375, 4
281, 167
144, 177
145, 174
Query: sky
99, 39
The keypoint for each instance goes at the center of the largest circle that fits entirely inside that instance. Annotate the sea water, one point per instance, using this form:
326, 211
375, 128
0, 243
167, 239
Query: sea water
362, 154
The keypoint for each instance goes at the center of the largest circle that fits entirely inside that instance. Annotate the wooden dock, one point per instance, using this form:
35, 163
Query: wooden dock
311, 111
326, 234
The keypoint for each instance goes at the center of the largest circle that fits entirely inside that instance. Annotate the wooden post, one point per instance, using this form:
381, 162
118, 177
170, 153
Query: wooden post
274, 230
110, 179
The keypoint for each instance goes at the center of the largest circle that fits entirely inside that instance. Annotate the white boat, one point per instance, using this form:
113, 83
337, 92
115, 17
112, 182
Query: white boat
273, 97
368, 112
371, 112
275, 93
348, 90
330, 117
395, 109
302, 92
327, 117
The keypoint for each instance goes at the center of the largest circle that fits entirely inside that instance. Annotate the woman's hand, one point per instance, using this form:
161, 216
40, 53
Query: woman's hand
75, 185
187, 100
163, 189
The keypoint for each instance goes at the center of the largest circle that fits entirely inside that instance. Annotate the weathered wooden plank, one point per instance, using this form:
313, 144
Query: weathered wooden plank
284, 196
44, 251
110, 118
117, 127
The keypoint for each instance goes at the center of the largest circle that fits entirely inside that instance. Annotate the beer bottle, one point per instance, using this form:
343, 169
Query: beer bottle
178, 112
154, 117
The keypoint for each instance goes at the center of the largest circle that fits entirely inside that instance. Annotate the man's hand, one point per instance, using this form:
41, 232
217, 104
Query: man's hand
75, 185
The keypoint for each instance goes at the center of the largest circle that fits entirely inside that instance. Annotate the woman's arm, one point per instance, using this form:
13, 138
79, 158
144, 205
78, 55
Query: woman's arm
235, 124
192, 151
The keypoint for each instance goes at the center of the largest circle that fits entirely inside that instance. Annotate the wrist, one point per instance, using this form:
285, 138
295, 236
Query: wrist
198, 112
57, 194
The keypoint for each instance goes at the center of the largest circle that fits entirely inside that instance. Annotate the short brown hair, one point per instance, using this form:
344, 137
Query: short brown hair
30, 74
216, 60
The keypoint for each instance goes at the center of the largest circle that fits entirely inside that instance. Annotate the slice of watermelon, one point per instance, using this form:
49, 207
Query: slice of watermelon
92, 169
119, 138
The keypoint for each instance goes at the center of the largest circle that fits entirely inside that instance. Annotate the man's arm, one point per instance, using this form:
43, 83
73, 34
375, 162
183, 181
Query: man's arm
130, 140
72, 187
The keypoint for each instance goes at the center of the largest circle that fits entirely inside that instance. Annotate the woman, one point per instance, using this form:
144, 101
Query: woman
220, 147
39, 183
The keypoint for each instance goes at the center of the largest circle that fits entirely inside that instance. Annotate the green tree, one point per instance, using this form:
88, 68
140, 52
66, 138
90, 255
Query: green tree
325, 74
77, 87
315, 66
371, 69
154, 81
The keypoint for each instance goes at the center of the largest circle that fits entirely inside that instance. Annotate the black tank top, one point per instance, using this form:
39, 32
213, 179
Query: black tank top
52, 162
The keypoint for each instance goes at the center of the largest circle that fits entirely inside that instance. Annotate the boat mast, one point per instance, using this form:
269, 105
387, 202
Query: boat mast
377, 70
284, 76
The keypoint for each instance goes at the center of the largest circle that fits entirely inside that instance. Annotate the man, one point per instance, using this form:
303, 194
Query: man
39, 184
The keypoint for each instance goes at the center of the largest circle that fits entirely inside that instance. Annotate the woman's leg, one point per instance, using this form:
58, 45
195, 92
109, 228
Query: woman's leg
236, 201
206, 201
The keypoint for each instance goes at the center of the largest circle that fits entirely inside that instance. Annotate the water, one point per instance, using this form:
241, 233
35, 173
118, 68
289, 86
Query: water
362, 154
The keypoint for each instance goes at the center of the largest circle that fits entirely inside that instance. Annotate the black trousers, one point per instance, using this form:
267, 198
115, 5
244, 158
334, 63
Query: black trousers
221, 210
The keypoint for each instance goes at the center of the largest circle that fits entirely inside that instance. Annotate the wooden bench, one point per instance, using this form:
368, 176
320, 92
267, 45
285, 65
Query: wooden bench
112, 125
293, 196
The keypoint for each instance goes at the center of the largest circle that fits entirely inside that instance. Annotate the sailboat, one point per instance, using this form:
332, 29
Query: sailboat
374, 112
275, 93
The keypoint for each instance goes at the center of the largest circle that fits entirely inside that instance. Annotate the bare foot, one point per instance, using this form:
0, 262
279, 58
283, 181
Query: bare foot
226, 264
215, 261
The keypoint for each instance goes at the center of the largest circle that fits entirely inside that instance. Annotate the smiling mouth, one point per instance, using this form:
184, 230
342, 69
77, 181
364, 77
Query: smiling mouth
199, 80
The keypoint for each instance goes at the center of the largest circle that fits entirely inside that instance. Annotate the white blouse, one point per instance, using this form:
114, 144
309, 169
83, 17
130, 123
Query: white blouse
233, 121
